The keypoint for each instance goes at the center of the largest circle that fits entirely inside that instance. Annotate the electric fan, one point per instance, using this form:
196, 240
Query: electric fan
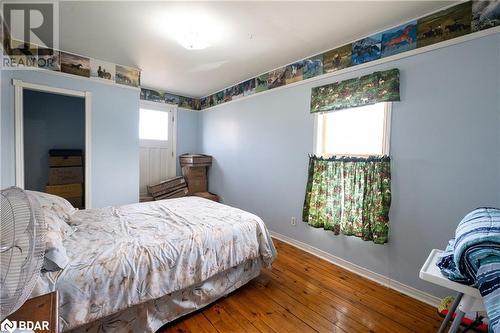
22, 247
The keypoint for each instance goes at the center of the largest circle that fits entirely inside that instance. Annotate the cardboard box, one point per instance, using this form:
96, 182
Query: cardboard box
64, 161
196, 178
66, 191
65, 175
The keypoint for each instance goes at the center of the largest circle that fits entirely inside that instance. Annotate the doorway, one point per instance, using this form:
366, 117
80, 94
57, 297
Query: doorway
53, 141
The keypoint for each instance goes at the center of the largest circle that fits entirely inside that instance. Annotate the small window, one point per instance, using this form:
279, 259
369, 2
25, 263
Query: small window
153, 125
361, 131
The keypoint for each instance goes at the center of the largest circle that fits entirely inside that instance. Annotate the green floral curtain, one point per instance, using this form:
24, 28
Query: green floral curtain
350, 196
369, 89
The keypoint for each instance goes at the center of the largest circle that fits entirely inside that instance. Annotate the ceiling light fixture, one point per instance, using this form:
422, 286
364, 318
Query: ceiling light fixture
194, 29
193, 39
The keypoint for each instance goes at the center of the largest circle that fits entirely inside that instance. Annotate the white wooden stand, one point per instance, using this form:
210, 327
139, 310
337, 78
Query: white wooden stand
468, 298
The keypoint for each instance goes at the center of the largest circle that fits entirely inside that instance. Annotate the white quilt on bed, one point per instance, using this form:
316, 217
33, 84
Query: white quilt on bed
128, 255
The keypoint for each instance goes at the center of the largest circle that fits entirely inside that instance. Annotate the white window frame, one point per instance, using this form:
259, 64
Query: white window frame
171, 125
319, 124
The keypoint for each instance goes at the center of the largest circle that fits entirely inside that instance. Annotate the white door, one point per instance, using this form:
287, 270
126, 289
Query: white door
157, 147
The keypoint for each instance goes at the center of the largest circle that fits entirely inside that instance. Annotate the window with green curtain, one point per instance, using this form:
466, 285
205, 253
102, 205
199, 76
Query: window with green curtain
351, 195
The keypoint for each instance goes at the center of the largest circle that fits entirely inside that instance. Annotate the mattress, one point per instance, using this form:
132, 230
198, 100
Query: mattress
124, 257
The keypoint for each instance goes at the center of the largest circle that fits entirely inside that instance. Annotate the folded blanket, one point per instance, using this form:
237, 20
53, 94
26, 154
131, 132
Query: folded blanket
473, 258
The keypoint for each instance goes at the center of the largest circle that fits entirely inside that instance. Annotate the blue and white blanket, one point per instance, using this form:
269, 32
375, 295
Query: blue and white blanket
473, 258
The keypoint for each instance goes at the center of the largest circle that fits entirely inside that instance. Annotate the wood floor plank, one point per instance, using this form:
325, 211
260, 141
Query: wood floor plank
271, 312
179, 327
310, 317
386, 306
339, 299
396, 300
363, 285
223, 322
318, 304
303, 293
258, 324
200, 323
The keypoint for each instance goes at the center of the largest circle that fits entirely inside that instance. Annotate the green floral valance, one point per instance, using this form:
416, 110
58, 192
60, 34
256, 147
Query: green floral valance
369, 89
350, 196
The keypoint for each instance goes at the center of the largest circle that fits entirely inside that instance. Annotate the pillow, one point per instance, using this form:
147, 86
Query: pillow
57, 212
58, 205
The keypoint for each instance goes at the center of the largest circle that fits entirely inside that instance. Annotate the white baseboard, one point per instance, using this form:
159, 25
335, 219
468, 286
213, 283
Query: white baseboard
376, 277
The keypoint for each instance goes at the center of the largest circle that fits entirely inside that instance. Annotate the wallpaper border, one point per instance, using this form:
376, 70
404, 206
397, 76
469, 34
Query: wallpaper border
436, 28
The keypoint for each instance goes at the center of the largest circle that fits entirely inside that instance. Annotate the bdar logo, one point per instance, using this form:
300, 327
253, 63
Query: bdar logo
8, 326
24, 325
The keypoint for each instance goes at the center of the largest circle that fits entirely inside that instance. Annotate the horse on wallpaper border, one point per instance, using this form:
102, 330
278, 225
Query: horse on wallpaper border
404, 37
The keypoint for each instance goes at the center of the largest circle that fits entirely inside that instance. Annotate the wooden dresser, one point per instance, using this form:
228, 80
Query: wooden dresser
39, 309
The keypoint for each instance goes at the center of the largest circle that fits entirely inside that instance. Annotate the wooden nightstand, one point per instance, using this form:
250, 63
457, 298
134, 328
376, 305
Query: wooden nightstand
41, 308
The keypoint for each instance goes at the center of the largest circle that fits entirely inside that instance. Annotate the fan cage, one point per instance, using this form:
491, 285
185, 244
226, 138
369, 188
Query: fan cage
22, 239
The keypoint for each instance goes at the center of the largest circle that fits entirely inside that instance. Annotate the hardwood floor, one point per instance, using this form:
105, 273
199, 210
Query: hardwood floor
303, 293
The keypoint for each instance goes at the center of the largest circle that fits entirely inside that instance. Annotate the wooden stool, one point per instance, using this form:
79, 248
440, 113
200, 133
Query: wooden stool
207, 195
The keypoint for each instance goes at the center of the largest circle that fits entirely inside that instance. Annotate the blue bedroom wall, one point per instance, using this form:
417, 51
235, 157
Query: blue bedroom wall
188, 138
115, 135
445, 148
51, 121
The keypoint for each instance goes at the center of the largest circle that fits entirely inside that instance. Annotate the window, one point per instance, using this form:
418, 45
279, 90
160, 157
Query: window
360, 131
153, 125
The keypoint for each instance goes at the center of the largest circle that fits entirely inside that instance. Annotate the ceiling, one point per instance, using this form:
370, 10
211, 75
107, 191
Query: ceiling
247, 38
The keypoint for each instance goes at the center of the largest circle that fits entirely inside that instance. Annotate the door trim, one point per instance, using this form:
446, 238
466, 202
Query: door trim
19, 86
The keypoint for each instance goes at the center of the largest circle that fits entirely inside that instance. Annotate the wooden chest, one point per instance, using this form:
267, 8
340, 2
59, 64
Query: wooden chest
66, 191
65, 175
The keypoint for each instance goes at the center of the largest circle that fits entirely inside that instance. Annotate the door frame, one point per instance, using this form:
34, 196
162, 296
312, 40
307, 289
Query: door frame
19, 86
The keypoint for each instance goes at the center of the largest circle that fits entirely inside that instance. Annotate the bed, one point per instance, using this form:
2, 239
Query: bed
134, 268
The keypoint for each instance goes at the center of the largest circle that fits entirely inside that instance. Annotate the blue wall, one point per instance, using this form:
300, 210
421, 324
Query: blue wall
188, 138
115, 135
50, 121
445, 149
